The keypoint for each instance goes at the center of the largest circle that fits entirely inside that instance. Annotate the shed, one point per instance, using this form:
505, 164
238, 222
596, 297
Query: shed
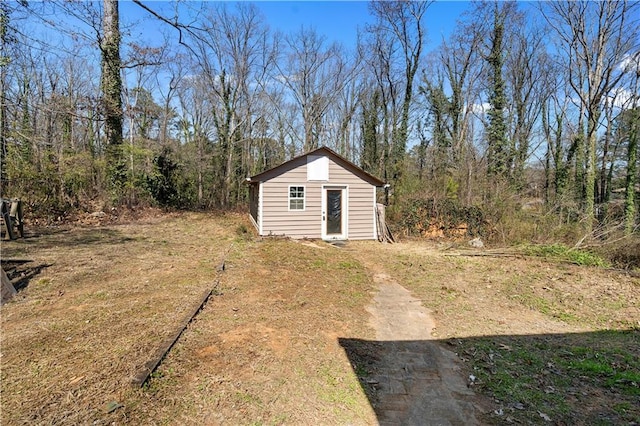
316, 195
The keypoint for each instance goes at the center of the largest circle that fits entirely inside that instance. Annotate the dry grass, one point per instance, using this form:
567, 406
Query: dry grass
482, 295
266, 350
541, 337
74, 338
265, 346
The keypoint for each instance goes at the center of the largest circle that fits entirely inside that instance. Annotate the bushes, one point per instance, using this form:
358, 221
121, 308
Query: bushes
54, 184
623, 254
498, 221
508, 223
438, 218
564, 253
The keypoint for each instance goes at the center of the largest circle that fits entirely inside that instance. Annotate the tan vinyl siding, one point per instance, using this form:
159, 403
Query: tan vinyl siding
277, 219
360, 202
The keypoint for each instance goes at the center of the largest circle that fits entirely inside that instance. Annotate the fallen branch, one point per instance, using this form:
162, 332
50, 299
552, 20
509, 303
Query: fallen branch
150, 366
143, 375
485, 254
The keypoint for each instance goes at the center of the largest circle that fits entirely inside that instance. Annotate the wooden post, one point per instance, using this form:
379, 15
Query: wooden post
16, 215
6, 218
12, 216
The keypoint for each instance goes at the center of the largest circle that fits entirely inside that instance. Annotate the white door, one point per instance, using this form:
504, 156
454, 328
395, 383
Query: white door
334, 213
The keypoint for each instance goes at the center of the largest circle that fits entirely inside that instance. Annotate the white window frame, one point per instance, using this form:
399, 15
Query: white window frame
304, 198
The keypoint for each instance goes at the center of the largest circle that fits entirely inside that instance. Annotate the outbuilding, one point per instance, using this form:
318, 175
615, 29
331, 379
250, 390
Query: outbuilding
316, 195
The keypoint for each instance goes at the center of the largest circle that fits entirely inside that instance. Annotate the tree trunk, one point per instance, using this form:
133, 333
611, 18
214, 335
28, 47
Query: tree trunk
111, 83
590, 170
4, 18
632, 152
498, 150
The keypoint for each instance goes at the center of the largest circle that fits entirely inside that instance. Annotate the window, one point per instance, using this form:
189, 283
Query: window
296, 198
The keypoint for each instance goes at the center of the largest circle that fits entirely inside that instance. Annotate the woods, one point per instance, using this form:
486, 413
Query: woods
518, 105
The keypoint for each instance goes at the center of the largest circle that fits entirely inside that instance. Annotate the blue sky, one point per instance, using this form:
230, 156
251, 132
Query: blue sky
336, 20
340, 20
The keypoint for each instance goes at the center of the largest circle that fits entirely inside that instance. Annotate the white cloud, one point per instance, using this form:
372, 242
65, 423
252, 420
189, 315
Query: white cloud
630, 63
482, 108
620, 98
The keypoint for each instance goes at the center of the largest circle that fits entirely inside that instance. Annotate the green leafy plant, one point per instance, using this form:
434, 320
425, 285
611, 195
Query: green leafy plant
561, 252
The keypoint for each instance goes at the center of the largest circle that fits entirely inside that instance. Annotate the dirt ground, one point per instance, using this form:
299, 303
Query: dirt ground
547, 342
268, 348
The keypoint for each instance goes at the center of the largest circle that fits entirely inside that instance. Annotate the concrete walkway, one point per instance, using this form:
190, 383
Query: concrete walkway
417, 382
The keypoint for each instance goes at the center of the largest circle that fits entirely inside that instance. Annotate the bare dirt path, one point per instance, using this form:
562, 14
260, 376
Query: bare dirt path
417, 381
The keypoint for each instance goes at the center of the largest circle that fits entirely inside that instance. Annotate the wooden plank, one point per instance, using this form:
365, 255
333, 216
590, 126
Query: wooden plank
384, 233
16, 215
8, 291
150, 366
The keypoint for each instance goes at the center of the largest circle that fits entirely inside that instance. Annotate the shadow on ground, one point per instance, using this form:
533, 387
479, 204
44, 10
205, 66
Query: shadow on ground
63, 237
566, 379
21, 271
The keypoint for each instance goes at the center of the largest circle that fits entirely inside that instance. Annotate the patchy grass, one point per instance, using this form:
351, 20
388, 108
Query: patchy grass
586, 378
563, 253
266, 351
260, 352
560, 341
80, 330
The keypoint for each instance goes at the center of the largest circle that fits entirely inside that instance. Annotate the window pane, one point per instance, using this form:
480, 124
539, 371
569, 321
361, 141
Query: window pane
296, 192
296, 198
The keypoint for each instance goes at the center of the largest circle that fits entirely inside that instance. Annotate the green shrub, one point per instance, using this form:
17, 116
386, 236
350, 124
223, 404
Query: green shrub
564, 253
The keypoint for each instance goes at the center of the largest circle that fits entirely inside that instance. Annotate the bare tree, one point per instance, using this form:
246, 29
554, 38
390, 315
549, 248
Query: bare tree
594, 37
380, 101
315, 75
234, 57
451, 84
195, 127
402, 23
527, 71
